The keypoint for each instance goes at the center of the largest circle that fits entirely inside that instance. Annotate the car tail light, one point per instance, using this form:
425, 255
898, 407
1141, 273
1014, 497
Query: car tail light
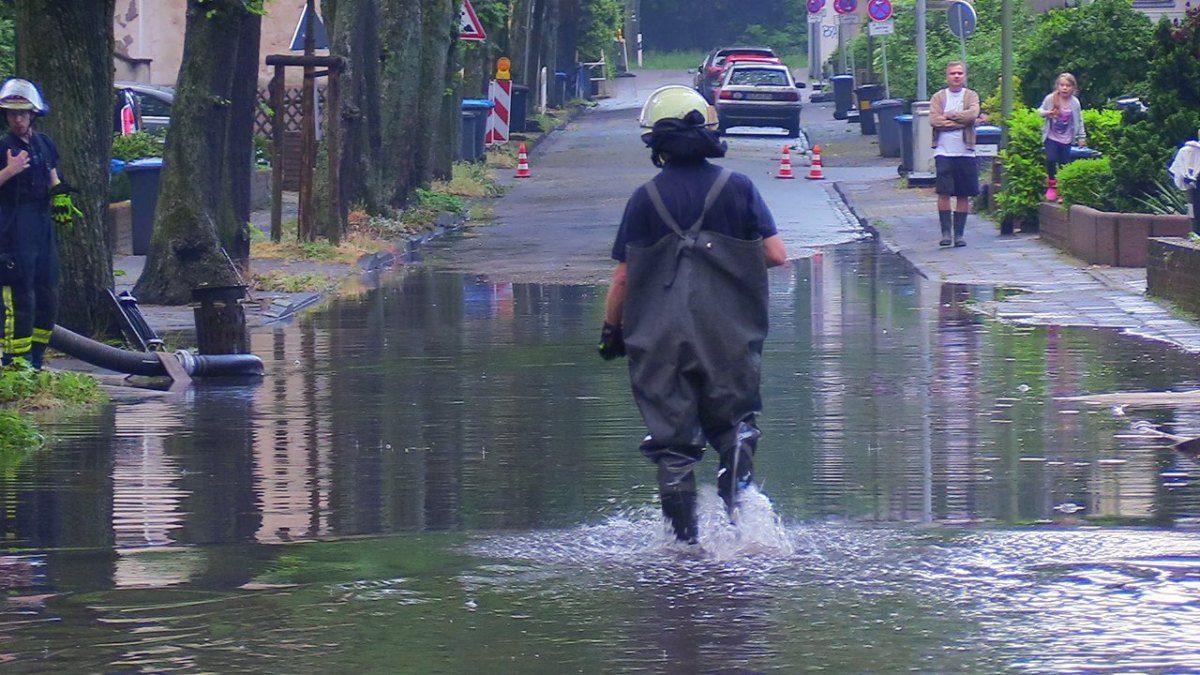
724, 95
788, 96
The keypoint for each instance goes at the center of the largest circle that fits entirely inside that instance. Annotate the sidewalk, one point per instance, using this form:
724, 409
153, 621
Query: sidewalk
1060, 289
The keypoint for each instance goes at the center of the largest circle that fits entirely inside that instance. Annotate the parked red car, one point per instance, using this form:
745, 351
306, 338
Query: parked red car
708, 75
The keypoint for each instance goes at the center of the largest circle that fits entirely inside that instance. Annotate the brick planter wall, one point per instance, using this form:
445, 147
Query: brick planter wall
1106, 238
1173, 271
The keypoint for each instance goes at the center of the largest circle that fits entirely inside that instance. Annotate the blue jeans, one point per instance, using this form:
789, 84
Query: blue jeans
1056, 154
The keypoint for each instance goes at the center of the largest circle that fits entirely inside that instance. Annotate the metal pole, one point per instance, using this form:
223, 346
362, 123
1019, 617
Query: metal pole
1006, 67
922, 66
887, 90
841, 45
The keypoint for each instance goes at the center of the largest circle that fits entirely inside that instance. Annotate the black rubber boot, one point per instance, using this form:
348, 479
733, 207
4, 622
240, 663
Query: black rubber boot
680, 509
960, 224
37, 354
944, 219
736, 472
677, 486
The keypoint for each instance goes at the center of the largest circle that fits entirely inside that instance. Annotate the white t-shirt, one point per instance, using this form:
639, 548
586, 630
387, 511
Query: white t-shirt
950, 141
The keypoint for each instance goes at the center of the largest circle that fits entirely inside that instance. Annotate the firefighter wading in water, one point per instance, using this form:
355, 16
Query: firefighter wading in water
32, 198
688, 305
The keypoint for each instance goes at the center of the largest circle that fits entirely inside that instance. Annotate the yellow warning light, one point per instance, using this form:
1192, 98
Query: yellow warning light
503, 66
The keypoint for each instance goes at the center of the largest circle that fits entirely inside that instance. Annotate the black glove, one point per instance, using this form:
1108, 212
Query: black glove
612, 342
63, 188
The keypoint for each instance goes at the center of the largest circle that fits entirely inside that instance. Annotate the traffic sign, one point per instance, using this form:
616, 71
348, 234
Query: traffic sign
877, 28
961, 18
845, 6
815, 6
469, 27
320, 37
880, 10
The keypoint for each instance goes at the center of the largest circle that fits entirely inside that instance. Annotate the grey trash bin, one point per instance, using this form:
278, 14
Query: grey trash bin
143, 193
885, 112
520, 108
904, 126
843, 95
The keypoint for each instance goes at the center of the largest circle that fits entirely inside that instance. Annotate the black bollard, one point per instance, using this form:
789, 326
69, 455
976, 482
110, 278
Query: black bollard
220, 320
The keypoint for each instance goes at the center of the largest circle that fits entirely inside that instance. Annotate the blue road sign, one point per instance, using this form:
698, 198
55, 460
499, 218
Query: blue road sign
320, 37
961, 18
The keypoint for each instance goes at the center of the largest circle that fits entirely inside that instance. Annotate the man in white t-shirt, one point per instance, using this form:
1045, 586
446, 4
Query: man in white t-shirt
953, 113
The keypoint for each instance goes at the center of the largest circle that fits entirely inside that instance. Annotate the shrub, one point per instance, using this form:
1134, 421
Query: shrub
1024, 167
1101, 125
1140, 157
137, 145
1088, 182
1104, 44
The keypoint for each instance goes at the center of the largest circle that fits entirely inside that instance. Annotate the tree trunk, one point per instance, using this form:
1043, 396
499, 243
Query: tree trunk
185, 248
435, 51
399, 91
66, 47
353, 34
235, 232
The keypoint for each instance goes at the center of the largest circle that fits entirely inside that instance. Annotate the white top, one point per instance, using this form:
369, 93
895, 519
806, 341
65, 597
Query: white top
1185, 169
950, 141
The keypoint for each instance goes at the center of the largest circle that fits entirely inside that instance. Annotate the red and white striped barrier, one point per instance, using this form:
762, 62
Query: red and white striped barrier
500, 92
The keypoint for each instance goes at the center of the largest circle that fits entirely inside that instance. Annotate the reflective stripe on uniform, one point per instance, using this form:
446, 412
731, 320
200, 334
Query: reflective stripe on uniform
42, 335
19, 346
10, 321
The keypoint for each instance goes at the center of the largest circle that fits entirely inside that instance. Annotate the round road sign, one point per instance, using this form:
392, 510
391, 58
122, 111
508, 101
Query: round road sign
845, 6
880, 10
815, 6
960, 16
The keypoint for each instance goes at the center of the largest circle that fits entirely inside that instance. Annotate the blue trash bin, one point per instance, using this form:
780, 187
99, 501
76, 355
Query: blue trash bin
1083, 153
905, 125
143, 195
474, 128
558, 93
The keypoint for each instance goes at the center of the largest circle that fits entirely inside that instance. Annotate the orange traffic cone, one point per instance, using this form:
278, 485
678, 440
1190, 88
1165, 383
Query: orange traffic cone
522, 163
785, 164
816, 172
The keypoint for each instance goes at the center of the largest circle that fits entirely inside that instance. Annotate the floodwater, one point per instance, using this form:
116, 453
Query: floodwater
438, 475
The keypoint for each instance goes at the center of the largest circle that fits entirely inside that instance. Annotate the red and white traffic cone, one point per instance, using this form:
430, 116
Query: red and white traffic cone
816, 171
785, 164
522, 163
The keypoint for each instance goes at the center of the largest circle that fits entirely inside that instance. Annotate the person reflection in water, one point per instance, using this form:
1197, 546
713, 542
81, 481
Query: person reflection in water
688, 305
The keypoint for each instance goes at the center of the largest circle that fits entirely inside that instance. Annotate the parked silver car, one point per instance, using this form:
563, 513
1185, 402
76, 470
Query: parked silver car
758, 95
151, 104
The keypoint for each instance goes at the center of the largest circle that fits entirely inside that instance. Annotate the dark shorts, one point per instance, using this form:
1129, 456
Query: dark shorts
956, 176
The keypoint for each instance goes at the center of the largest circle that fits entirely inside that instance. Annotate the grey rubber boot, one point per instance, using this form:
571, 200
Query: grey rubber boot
944, 218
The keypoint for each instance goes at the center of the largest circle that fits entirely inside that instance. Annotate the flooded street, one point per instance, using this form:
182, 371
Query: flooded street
438, 475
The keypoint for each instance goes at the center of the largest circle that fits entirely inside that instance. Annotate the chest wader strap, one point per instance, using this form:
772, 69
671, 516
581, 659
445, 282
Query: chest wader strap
688, 236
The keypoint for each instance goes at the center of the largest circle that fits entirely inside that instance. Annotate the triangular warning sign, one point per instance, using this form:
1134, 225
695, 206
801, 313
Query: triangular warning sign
320, 37
469, 27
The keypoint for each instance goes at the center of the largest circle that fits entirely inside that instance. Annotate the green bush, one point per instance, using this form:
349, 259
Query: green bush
1101, 125
1140, 157
1088, 182
1023, 159
1104, 44
138, 145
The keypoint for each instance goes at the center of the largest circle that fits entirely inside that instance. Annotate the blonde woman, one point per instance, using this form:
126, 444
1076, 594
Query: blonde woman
1063, 127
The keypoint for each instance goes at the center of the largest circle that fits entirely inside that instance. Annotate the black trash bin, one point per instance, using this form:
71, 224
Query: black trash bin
843, 95
904, 124
519, 109
220, 320
143, 193
558, 93
474, 128
868, 94
885, 112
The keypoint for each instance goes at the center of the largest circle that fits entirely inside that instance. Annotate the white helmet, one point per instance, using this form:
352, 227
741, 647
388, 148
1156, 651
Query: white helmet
19, 94
673, 101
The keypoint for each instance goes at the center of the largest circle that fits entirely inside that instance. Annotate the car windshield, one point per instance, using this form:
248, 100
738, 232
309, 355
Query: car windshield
759, 77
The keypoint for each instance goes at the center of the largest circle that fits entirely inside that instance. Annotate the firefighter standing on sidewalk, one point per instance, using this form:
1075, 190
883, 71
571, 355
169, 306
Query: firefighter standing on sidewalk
32, 199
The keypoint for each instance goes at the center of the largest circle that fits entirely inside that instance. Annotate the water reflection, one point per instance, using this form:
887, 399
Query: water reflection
432, 405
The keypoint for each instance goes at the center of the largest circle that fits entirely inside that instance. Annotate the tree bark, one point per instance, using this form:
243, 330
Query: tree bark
66, 48
435, 53
185, 248
400, 25
235, 231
